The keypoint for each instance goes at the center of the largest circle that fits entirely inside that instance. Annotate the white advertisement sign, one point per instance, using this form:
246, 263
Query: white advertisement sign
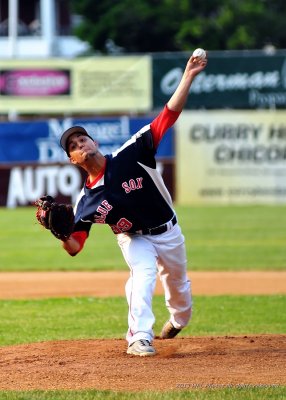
231, 157
27, 184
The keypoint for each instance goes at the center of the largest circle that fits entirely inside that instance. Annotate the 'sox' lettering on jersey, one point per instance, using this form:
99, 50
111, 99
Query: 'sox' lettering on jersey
132, 185
103, 210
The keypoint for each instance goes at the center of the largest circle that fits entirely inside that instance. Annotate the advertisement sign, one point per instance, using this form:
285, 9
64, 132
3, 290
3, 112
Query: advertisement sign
33, 164
38, 141
21, 185
113, 84
231, 157
241, 81
25, 184
96, 84
35, 82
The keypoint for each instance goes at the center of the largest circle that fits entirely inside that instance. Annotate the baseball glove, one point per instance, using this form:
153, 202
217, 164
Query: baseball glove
58, 218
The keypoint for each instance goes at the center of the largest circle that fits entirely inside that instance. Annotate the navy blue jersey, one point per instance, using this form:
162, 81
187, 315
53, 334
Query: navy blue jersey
131, 195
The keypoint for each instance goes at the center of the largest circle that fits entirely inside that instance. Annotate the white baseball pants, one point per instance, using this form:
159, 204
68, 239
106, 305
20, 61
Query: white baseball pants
146, 255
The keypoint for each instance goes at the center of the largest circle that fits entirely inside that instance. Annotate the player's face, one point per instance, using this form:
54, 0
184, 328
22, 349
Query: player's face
81, 148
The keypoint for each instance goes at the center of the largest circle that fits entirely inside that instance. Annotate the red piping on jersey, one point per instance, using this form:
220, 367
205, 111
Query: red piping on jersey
89, 184
162, 123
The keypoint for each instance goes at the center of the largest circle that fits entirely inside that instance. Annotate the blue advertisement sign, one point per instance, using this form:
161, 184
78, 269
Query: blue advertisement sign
38, 141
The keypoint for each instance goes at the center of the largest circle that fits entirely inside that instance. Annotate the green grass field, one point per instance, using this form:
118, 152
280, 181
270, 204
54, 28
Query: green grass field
82, 318
268, 393
217, 238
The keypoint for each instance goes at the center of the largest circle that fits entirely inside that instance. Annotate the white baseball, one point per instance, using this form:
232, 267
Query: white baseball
200, 53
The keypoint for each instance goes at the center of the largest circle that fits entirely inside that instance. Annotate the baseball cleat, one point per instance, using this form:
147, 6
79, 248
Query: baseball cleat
169, 331
141, 347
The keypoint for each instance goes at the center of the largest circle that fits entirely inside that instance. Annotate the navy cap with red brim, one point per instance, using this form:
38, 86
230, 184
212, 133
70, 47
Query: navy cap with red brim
65, 136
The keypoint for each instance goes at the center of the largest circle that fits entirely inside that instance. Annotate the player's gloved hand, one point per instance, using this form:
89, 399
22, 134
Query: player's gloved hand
58, 218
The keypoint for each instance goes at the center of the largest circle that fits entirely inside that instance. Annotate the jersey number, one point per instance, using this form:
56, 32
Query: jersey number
122, 225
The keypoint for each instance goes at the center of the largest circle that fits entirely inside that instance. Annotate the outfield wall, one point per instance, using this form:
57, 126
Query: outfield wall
230, 150
219, 157
141, 84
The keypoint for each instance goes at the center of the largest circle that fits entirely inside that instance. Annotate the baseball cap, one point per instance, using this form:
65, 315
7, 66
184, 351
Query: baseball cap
70, 131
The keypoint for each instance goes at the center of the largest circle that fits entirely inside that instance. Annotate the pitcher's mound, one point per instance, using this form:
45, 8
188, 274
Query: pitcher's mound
181, 363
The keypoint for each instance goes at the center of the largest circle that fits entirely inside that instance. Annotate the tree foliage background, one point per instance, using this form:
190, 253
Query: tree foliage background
180, 25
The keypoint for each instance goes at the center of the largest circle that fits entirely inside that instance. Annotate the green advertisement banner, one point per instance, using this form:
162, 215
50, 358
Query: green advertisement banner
244, 80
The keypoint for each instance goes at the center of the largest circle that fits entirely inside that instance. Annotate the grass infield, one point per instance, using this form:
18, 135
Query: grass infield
82, 318
217, 238
250, 393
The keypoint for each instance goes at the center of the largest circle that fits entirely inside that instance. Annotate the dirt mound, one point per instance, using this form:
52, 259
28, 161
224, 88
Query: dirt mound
181, 363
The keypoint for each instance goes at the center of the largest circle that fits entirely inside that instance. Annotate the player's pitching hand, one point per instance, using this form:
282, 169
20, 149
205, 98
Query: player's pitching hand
195, 65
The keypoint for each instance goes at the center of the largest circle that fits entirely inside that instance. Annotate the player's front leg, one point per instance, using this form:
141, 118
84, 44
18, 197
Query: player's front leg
141, 258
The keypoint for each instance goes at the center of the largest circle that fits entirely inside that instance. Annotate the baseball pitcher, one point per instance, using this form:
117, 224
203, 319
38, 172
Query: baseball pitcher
125, 191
